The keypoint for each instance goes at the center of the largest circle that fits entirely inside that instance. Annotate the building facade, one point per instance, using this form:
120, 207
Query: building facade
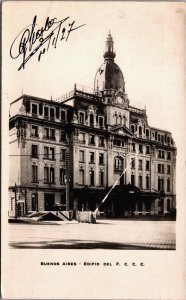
67, 153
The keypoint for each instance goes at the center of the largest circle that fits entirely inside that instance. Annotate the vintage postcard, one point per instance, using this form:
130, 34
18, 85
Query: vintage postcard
93, 150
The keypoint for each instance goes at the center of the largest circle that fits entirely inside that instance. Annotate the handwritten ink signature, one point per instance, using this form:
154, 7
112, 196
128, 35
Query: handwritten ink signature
31, 41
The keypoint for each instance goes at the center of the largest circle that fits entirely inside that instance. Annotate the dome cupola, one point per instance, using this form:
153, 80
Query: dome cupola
109, 76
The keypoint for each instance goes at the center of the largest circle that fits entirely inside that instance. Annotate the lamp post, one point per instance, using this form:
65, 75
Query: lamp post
67, 192
15, 191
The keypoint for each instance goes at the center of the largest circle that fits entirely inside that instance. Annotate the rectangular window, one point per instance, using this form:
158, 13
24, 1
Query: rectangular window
34, 151
63, 136
101, 178
81, 138
161, 168
91, 177
81, 156
52, 177
101, 141
147, 182
140, 167
46, 175
52, 153
168, 185
168, 169
101, 122
140, 148
92, 157
52, 134
34, 174
34, 131
46, 152
62, 154
169, 155
133, 147
81, 176
52, 113
81, 118
92, 139
63, 115
160, 184
147, 150
34, 109
46, 133
101, 158
62, 176
147, 165
133, 163
133, 179
140, 181
46, 112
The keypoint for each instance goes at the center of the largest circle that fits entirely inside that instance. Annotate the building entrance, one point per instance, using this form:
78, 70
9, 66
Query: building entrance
49, 202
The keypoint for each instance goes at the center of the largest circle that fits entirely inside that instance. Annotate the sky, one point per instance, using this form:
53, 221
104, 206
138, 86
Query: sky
148, 40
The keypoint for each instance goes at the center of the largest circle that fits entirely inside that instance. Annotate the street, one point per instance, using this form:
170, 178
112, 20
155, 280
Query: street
105, 234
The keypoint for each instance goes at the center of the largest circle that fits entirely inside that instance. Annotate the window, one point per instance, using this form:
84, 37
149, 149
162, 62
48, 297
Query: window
133, 164
82, 118
62, 175
92, 139
91, 120
140, 148
168, 204
159, 138
115, 119
81, 138
118, 163
101, 122
81, 176
101, 141
91, 157
34, 131
140, 131
147, 182
140, 181
147, 166
63, 136
140, 167
52, 134
34, 109
133, 179
34, 151
147, 133
168, 140
133, 147
161, 168
101, 178
52, 179
168, 169
49, 153
62, 155
34, 174
162, 138
91, 177
81, 156
147, 150
101, 158
168, 185
63, 115
161, 154
46, 112
160, 184
168, 155
132, 128
46, 174
119, 120
52, 113
46, 133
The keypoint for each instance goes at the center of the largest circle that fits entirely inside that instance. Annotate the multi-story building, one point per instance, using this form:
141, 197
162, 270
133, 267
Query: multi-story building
70, 151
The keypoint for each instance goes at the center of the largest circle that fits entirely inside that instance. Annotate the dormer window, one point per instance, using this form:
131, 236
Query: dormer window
91, 120
82, 118
63, 115
46, 112
52, 113
34, 109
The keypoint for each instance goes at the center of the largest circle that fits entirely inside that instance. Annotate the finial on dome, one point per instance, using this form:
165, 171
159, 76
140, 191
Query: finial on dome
109, 48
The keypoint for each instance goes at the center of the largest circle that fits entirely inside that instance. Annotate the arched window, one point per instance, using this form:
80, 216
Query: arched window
115, 119
118, 163
124, 120
140, 131
120, 120
91, 120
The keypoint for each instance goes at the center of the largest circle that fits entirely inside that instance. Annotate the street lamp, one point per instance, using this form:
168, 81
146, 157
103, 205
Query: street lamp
15, 189
67, 192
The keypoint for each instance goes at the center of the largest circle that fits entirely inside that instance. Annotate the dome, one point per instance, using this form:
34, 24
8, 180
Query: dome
109, 75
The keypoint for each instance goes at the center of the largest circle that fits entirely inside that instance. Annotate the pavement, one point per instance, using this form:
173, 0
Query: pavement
105, 234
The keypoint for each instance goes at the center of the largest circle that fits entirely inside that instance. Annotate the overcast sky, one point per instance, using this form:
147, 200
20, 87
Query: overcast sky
148, 40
